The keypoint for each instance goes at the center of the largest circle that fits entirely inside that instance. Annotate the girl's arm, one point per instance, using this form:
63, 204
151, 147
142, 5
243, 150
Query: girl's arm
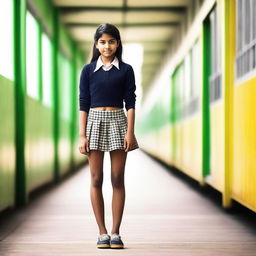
84, 146
85, 100
82, 125
130, 120
130, 140
130, 98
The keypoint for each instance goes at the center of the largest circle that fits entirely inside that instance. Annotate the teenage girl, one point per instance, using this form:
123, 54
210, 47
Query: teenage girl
105, 84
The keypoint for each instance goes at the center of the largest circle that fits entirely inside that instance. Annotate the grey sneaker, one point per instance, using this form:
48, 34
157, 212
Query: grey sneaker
116, 242
103, 241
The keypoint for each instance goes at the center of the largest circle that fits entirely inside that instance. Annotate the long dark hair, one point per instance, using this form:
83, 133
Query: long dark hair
109, 29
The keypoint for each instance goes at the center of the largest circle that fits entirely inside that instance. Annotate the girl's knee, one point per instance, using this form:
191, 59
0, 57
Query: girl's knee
117, 181
97, 181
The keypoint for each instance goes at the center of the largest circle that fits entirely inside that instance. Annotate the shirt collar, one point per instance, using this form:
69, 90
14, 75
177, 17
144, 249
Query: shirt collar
99, 64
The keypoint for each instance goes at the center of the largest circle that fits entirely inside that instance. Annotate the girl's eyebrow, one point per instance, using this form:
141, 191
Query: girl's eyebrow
112, 39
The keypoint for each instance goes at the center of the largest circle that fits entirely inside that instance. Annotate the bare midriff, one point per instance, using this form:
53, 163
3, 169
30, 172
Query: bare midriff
106, 108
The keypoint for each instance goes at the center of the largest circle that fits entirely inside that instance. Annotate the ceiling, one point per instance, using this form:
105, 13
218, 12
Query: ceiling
152, 23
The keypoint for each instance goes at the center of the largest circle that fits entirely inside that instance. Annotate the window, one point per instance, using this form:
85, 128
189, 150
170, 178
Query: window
6, 45
246, 37
215, 76
47, 70
178, 85
192, 72
65, 88
32, 56
195, 78
187, 84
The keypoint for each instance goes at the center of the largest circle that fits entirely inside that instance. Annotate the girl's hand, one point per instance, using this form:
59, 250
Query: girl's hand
129, 142
84, 146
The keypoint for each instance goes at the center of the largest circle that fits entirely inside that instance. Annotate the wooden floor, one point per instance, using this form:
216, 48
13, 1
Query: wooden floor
164, 215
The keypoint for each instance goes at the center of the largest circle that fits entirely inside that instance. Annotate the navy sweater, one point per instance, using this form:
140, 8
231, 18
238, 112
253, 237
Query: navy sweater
107, 88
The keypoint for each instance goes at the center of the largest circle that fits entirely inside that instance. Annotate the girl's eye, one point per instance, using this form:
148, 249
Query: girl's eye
111, 42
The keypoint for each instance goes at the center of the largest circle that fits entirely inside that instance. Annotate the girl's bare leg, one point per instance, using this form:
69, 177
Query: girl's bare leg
96, 158
118, 159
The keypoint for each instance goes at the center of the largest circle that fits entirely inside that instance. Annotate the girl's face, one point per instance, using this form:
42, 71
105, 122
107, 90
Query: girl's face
107, 45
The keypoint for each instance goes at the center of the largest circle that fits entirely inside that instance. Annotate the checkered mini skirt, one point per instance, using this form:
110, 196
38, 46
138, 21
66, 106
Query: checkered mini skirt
106, 129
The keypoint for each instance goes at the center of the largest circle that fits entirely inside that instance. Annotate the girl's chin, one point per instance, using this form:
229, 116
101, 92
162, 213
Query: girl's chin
108, 55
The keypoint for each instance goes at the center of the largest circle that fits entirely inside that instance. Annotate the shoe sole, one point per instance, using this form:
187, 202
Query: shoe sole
103, 246
116, 246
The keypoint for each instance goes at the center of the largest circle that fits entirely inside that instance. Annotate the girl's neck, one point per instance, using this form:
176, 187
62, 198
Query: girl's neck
107, 60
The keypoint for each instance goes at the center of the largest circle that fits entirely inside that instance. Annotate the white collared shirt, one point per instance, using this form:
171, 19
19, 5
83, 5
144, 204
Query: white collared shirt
100, 64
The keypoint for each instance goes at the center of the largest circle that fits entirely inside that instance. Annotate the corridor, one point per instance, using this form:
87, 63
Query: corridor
173, 218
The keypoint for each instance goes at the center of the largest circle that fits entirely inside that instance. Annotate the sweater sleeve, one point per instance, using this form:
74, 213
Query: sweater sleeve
84, 95
130, 87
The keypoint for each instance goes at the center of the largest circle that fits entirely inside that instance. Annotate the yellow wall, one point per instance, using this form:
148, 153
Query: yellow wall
217, 145
244, 173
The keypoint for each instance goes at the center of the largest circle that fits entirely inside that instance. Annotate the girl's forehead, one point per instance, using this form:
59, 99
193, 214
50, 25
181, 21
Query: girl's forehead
106, 37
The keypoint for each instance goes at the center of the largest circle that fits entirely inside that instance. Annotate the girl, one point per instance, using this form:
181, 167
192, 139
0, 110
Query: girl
105, 84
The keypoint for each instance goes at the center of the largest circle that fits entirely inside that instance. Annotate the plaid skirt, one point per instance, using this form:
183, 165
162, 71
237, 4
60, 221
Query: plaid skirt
106, 129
